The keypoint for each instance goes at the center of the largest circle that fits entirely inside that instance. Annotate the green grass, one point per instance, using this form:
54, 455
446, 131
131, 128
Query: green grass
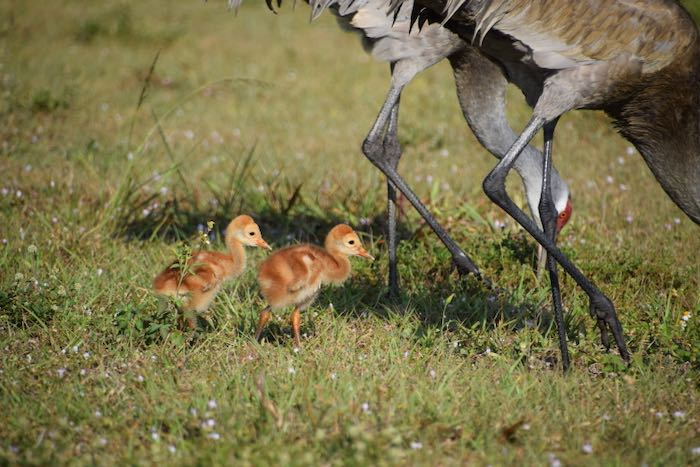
111, 158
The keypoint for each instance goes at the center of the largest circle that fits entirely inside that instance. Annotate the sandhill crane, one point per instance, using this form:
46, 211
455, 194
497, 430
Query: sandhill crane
205, 271
294, 275
481, 94
637, 60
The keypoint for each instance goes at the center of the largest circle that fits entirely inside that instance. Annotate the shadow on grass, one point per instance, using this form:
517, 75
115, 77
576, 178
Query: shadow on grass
285, 219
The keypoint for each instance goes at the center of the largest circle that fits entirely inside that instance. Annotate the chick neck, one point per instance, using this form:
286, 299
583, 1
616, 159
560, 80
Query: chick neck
236, 250
338, 266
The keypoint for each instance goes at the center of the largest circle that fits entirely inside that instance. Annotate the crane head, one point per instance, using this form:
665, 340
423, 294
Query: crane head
565, 215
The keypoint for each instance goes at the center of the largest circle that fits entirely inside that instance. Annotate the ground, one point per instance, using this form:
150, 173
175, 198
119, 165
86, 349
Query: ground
128, 125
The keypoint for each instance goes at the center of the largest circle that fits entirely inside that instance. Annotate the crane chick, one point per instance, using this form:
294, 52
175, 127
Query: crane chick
295, 274
201, 278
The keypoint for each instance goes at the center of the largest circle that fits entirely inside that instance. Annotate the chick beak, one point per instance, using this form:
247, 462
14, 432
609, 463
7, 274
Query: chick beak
263, 244
362, 252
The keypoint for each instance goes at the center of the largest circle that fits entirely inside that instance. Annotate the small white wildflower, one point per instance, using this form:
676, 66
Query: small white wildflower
444, 152
4, 191
606, 417
189, 134
629, 219
609, 179
54, 220
140, 378
18, 193
488, 350
365, 407
587, 448
630, 150
97, 413
32, 249
432, 373
86, 355
623, 187
4, 241
172, 449
164, 190
499, 224
416, 445
678, 414
296, 349
102, 441
333, 376
99, 271
214, 435
153, 358
621, 160
553, 461
659, 415
75, 348
155, 436
455, 344
211, 404
61, 372
52, 184
83, 372
676, 220
695, 451
526, 426
291, 370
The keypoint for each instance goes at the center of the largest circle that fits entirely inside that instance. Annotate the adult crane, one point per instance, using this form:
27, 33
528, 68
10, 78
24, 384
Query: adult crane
637, 60
481, 93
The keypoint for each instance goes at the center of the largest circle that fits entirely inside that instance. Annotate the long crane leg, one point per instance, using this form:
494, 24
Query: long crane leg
374, 150
601, 308
392, 149
548, 215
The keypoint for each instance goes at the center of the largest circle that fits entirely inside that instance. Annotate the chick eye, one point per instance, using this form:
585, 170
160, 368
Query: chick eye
251, 233
351, 242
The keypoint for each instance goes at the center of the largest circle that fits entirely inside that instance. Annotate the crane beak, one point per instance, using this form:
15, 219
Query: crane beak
362, 252
263, 244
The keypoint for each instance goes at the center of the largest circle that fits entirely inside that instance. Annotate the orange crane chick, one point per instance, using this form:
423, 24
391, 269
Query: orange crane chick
201, 279
295, 274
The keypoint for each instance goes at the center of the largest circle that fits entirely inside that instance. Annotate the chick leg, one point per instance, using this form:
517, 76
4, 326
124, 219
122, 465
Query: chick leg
296, 326
265, 316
